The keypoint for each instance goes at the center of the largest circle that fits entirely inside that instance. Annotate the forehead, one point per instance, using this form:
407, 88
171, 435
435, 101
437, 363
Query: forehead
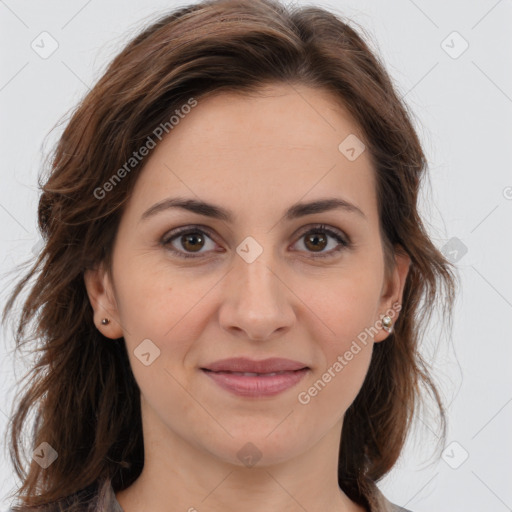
274, 146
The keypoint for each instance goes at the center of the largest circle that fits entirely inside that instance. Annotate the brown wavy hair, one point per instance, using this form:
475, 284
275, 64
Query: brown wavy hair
88, 402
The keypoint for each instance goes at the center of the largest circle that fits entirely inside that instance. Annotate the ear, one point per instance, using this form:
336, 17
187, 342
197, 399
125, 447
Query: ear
101, 295
392, 292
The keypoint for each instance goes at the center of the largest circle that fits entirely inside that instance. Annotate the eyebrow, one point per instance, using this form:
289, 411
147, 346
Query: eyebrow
218, 212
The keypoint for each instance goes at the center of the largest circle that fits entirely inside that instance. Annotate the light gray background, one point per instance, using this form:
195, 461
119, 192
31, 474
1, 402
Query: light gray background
463, 110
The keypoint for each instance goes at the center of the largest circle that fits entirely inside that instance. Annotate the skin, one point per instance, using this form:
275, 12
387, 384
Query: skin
256, 155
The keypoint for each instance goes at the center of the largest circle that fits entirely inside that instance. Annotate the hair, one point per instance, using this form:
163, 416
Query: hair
88, 400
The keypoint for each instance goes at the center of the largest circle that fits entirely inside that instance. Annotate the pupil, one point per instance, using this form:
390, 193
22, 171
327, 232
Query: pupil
316, 237
192, 239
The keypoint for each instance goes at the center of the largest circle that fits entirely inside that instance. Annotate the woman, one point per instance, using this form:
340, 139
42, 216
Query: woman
234, 275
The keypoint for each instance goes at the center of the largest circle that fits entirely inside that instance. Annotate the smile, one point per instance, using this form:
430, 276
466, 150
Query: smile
251, 384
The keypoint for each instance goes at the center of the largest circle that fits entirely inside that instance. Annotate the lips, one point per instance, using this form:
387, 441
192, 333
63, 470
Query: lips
250, 378
266, 366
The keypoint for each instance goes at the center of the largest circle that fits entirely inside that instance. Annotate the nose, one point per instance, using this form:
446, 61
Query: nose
257, 303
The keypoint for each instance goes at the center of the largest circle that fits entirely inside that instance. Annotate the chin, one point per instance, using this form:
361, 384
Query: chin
256, 448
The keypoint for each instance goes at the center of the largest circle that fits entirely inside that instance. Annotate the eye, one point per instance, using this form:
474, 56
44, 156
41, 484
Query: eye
315, 240
191, 239
188, 242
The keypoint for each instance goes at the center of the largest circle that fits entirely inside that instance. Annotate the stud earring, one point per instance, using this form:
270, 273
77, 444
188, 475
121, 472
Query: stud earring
387, 323
105, 321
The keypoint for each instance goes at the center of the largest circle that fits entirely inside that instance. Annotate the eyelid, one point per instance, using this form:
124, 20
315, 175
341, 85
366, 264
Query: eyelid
186, 229
343, 239
183, 230
335, 232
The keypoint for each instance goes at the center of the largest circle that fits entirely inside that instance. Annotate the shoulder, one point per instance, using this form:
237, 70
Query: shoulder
396, 508
391, 507
379, 503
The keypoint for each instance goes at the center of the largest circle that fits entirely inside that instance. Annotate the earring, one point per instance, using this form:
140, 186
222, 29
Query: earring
387, 323
105, 321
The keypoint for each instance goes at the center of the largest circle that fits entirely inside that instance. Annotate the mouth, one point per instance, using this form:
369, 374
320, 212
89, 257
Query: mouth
253, 374
262, 366
249, 378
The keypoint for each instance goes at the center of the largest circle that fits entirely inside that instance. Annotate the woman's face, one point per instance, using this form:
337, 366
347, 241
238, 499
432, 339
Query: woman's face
259, 274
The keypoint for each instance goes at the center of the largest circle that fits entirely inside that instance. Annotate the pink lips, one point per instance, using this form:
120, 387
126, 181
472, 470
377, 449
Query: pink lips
246, 377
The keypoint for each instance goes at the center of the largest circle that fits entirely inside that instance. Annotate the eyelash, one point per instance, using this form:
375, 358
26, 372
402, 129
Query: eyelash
344, 242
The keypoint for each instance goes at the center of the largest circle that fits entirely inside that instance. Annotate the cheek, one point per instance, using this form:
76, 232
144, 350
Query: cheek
333, 390
347, 304
347, 309
165, 307
346, 353
149, 297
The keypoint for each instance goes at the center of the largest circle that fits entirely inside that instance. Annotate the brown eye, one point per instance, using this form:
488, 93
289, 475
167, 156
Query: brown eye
192, 242
320, 238
319, 242
188, 243
315, 241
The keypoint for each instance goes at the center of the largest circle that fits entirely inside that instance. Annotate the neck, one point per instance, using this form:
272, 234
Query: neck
177, 473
